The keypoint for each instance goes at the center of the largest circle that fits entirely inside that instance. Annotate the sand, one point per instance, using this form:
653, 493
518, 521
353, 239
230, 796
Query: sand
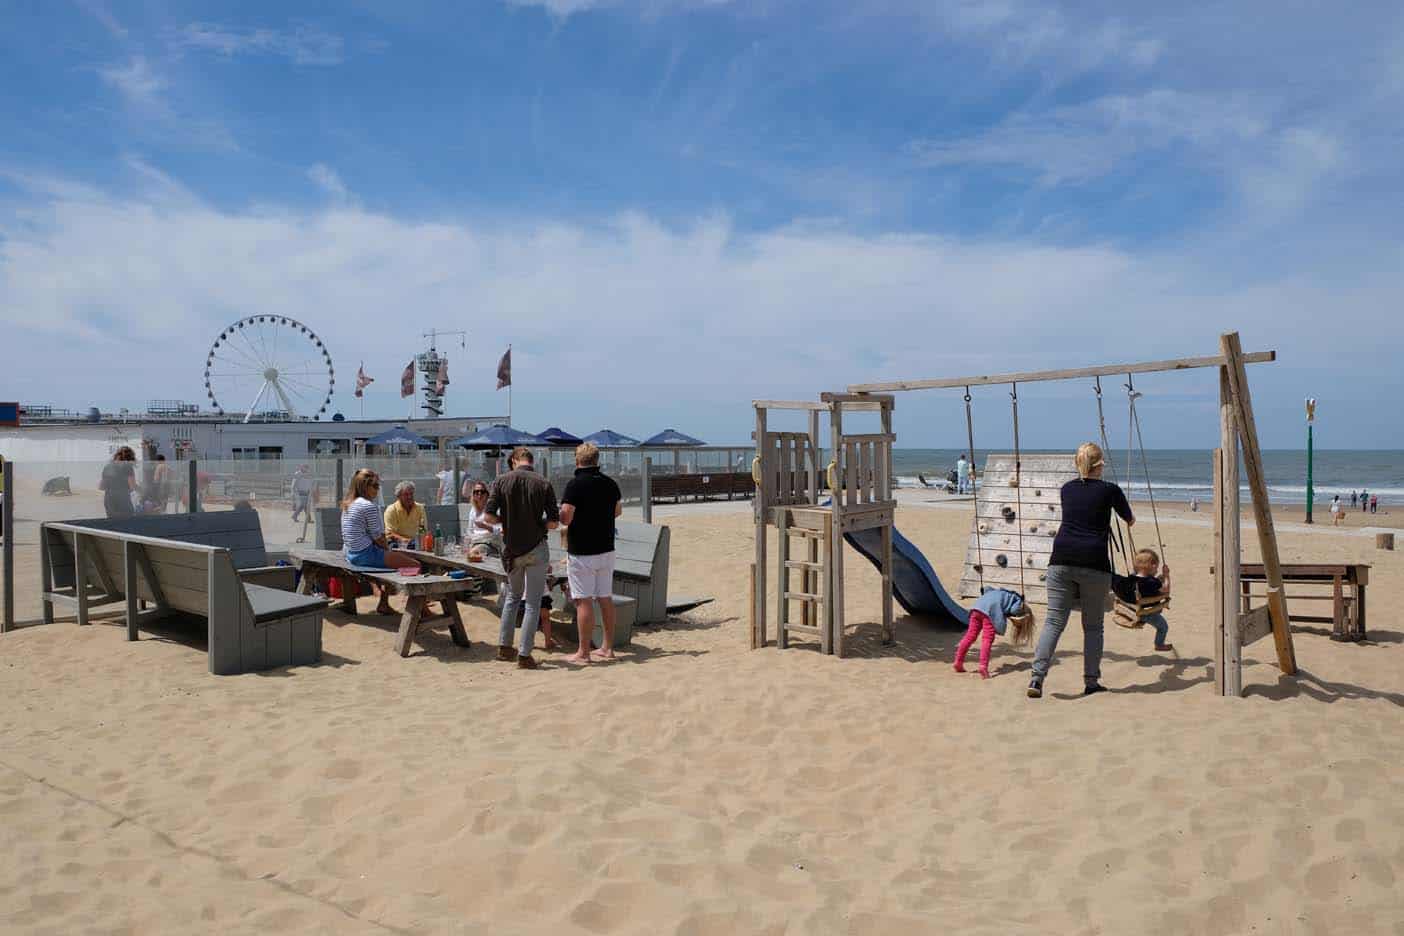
697, 787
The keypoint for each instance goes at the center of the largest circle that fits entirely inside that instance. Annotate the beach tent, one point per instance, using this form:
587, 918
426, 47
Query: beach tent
558, 436
498, 437
608, 438
671, 438
399, 435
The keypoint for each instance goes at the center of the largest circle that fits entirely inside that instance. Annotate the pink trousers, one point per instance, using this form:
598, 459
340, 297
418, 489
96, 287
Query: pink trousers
984, 627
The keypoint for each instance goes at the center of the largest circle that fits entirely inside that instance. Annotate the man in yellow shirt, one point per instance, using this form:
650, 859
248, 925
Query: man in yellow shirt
405, 518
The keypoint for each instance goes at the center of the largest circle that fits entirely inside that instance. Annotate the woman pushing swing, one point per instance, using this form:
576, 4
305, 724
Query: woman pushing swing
1079, 570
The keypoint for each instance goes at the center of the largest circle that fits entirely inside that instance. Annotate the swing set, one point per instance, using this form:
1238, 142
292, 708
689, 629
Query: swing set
860, 479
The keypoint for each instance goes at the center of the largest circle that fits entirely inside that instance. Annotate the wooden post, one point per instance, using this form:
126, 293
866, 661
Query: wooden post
340, 481
754, 643
1218, 511
1242, 402
1230, 558
824, 617
782, 572
646, 494
815, 616
761, 503
836, 529
7, 531
129, 585
193, 500
884, 493
80, 578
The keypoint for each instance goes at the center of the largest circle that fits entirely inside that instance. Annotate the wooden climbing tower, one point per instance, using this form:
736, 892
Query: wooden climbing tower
811, 521
1017, 514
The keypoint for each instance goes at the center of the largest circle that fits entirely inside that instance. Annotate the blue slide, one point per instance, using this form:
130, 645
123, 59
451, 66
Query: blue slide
914, 582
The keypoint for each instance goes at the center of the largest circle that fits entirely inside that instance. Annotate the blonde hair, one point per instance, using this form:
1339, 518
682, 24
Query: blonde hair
1146, 556
587, 454
521, 454
360, 486
1088, 459
1021, 627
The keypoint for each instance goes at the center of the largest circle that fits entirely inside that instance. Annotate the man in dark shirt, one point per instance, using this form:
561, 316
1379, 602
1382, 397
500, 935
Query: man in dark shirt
588, 507
523, 502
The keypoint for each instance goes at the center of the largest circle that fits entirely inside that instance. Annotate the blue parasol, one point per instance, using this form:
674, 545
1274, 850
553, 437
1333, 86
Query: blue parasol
608, 438
558, 436
671, 438
499, 436
399, 435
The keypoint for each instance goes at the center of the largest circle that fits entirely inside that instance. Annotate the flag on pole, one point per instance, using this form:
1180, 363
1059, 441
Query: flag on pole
441, 380
504, 370
407, 381
362, 381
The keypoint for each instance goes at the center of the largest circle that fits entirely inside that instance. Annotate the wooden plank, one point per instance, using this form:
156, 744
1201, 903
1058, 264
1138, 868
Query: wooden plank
782, 610
835, 541
850, 474
854, 397
46, 575
1228, 506
755, 643
457, 632
1217, 468
1262, 508
761, 506
807, 629
865, 471
1254, 625
1074, 373
1337, 607
824, 618
409, 624
80, 577
802, 596
887, 626
224, 614
801, 564
129, 577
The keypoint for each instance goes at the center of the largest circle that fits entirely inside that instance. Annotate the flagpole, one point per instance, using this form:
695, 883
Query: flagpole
509, 395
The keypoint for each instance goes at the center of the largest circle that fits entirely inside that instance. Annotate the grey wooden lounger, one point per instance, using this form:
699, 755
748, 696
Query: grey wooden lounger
250, 627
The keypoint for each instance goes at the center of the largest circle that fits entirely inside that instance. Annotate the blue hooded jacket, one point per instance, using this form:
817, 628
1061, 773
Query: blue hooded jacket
997, 604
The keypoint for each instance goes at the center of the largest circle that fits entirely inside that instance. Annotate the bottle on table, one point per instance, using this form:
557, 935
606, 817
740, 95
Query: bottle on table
438, 539
426, 542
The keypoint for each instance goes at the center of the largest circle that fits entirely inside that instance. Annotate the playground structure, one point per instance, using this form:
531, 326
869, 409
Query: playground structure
786, 470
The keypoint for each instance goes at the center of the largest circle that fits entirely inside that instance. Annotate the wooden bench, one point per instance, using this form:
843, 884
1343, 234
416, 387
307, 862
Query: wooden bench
1346, 583
319, 566
249, 626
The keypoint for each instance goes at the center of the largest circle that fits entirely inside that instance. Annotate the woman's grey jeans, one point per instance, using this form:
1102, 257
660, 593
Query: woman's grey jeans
1086, 590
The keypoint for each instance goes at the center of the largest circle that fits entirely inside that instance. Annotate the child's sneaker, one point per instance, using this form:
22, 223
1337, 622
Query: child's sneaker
984, 673
1035, 688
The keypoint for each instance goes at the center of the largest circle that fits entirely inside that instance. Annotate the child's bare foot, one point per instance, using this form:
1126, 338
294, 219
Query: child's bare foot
552, 644
984, 673
579, 657
959, 667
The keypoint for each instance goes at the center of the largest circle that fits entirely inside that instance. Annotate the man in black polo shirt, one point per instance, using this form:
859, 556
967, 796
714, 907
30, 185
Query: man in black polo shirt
588, 507
523, 502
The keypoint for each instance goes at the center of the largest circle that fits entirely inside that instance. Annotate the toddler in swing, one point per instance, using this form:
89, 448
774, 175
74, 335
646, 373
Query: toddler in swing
1150, 580
996, 611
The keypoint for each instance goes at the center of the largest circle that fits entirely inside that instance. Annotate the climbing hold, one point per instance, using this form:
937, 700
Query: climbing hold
1037, 493
978, 568
1002, 561
1043, 578
1028, 561
1033, 527
984, 528
1008, 513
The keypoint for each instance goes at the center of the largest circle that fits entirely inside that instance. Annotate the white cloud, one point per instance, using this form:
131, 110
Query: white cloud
137, 81
328, 180
303, 44
565, 8
705, 316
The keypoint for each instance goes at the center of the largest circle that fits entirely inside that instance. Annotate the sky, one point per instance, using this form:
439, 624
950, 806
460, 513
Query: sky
669, 208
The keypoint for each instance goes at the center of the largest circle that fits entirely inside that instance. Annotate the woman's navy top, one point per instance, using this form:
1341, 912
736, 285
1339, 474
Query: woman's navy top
1086, 529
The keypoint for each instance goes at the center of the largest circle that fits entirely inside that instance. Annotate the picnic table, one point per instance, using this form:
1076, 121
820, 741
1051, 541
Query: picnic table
490, 568
319, 566
1347, 583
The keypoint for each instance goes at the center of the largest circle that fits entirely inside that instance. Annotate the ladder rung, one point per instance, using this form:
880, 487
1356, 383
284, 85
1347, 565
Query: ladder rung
803, 596
801, 531
803, 564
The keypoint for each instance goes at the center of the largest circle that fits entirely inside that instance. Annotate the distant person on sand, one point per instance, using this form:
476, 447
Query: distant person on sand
302, 485
1364, 500
118, 482
1194, 504
1374, 503
962, 474
1337, 514
524, 503
1353, 498
1079, 570
589, 506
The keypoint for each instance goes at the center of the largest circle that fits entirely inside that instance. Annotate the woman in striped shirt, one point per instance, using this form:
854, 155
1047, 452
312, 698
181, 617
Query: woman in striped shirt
363, 531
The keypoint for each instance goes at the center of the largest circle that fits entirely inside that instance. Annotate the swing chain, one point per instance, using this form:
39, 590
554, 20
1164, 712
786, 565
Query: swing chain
1135, 416
970, 438
1018, 486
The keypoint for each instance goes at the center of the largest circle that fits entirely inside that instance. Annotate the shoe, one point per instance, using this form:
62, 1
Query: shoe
1093, 689
525, 662
507, 654
1036, 689
1165, 648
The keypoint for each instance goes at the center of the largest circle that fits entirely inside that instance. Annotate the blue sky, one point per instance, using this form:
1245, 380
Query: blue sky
670, 207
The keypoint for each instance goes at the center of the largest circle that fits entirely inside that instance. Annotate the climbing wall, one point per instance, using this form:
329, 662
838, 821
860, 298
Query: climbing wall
1005, 513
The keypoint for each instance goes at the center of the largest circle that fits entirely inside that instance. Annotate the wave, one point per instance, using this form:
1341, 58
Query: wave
1180, 490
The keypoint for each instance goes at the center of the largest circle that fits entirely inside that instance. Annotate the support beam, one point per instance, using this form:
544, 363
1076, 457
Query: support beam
760, 503
1242, 401
1228, 507
7, 558
1109, 370
1218, 509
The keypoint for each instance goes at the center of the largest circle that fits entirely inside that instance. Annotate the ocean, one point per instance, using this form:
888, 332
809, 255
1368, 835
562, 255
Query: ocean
1180, 474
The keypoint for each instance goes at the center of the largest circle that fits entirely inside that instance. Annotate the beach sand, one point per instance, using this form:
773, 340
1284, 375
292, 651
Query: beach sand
697, 787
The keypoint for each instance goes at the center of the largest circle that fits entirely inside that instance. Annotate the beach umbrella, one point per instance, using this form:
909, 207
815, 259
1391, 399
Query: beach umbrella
499, 436
399, 435
671, 438
558, 436
608, 438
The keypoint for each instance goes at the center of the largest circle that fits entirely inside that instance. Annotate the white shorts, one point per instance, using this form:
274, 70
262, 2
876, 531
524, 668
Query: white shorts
591, 576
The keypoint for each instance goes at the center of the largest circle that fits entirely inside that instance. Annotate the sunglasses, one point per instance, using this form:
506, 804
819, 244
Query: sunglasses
480, 493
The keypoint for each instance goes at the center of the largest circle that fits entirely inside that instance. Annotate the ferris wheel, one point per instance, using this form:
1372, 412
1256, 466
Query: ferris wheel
276, 363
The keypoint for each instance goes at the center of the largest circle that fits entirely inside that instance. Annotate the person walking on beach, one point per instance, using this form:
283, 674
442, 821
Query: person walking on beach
1079, 570
589, 506
1364, 500
962, 474
1337, 513
118, 482
523, 502
1353, 499
1374, 503
302, 485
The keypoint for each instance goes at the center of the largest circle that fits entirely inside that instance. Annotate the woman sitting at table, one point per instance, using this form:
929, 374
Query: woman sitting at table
481, 531
363, 532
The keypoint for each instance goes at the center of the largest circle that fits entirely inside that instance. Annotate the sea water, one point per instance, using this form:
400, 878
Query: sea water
1180, 474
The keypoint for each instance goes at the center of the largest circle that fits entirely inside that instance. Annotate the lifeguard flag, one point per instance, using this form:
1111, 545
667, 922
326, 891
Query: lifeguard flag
504, 370
362, 381
441, 380
407, 381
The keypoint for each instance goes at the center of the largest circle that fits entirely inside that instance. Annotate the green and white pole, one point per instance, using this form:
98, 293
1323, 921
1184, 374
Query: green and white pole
1311, 491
